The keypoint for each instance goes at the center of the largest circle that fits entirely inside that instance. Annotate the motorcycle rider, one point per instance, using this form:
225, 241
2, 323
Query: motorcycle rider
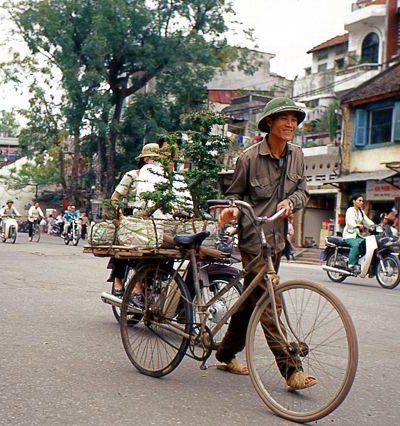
8, 211
69, 216
35, 214
356, 219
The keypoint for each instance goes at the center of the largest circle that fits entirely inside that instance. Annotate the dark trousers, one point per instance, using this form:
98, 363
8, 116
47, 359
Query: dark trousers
118, 267
235, 338
30, 228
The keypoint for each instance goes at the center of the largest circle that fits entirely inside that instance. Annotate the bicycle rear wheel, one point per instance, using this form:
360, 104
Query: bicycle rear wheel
321, 336
158, 342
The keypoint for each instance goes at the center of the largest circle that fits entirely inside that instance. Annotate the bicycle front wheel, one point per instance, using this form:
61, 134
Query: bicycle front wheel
320, 339
158, 342
36, 234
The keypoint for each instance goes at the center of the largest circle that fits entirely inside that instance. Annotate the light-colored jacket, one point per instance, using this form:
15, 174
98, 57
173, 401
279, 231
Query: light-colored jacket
35, 213
128, 186
6, 212
152, 174
354, 218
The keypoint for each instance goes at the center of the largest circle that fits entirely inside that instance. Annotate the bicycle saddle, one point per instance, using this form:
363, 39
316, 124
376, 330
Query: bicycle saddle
187, 240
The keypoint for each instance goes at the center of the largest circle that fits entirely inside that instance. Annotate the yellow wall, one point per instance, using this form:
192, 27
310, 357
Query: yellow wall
370, 160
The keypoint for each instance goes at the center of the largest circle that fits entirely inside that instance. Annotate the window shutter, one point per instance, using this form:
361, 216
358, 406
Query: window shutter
360, 127
397, 121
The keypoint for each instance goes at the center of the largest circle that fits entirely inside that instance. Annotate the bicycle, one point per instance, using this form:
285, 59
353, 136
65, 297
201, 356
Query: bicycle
313, 325
35, 232
215, 274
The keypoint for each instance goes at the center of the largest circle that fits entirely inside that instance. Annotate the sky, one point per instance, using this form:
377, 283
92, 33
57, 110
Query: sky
289, 28
286, 28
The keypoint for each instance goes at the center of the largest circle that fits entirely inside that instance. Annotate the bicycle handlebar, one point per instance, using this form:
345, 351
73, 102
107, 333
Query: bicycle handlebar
222, 204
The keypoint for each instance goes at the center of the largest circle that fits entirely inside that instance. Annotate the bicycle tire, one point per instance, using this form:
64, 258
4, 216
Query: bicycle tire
396, 269
333, 276
132, 319
36, 235
172, 307
289, 405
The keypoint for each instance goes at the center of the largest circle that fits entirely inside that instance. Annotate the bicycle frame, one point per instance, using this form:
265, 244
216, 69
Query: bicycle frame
266, 277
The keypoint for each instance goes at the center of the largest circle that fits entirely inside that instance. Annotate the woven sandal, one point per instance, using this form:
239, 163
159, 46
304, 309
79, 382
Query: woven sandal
299, 380
234, 367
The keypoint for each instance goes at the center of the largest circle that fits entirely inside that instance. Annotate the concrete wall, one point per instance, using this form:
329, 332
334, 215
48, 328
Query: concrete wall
262, 79
370, 160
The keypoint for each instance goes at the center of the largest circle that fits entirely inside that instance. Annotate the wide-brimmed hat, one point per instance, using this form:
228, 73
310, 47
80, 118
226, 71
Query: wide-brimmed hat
149, 150
276, 106
10, 201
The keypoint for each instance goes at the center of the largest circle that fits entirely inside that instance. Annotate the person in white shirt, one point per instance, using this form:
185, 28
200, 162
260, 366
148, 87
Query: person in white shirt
356, 219
35, 214
127, 189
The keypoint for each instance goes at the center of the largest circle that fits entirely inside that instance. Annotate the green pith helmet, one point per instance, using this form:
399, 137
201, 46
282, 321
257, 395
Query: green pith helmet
277, 105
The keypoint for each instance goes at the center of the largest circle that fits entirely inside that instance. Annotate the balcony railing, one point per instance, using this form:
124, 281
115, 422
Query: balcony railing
365, 3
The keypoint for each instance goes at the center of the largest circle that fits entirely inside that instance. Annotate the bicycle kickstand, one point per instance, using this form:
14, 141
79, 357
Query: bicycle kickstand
203, 365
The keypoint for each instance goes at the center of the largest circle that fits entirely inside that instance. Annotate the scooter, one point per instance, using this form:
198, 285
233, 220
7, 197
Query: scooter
379, 259
10, 229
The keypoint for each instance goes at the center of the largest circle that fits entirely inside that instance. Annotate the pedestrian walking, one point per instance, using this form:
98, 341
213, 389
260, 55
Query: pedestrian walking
270, 176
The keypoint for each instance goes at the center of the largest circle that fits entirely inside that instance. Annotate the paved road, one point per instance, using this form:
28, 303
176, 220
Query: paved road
62, 361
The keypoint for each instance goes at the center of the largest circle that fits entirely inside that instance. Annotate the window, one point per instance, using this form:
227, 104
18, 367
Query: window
322, 67
380, 126
339, 63
321, 54
377, 123
370, 49
312, 104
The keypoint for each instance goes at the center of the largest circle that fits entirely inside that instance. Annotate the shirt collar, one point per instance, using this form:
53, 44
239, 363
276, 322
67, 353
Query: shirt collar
265, 149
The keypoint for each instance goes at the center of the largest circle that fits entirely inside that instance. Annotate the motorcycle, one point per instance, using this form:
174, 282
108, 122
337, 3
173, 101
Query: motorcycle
57, 229
73, 233
379, 259
10, 229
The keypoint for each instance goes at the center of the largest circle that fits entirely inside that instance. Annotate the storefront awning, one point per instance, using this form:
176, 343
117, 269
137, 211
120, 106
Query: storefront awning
362, 177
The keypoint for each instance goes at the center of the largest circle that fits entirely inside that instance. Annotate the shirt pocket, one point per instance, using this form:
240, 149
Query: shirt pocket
261, 188
292, 182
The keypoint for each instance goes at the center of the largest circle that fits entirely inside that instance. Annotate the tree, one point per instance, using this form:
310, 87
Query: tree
43, 142
8, 124
109, 51
201, 149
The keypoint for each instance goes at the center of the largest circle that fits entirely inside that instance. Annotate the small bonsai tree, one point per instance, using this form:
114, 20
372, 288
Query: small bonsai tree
201, 149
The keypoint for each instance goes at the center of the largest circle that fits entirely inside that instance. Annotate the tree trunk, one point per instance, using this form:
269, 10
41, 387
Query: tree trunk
102, 178
112, 141
74, 171
61, 165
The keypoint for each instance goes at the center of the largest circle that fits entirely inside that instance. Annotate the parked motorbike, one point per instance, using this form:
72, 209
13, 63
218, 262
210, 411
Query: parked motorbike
379, 259
73, 233
10, 229
57, 229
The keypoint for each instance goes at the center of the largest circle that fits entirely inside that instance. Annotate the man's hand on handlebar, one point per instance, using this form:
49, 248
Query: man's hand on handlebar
287, 205
228, 215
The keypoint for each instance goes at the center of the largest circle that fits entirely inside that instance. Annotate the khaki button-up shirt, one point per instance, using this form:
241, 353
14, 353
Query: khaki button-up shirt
256, 180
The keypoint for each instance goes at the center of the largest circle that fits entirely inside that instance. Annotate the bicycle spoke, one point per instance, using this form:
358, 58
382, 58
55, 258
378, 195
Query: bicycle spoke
318, 340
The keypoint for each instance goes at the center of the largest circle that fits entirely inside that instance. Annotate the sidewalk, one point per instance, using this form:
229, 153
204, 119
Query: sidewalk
308, 256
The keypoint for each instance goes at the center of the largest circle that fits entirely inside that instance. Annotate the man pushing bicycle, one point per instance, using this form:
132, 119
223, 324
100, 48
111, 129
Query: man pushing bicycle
269, 175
